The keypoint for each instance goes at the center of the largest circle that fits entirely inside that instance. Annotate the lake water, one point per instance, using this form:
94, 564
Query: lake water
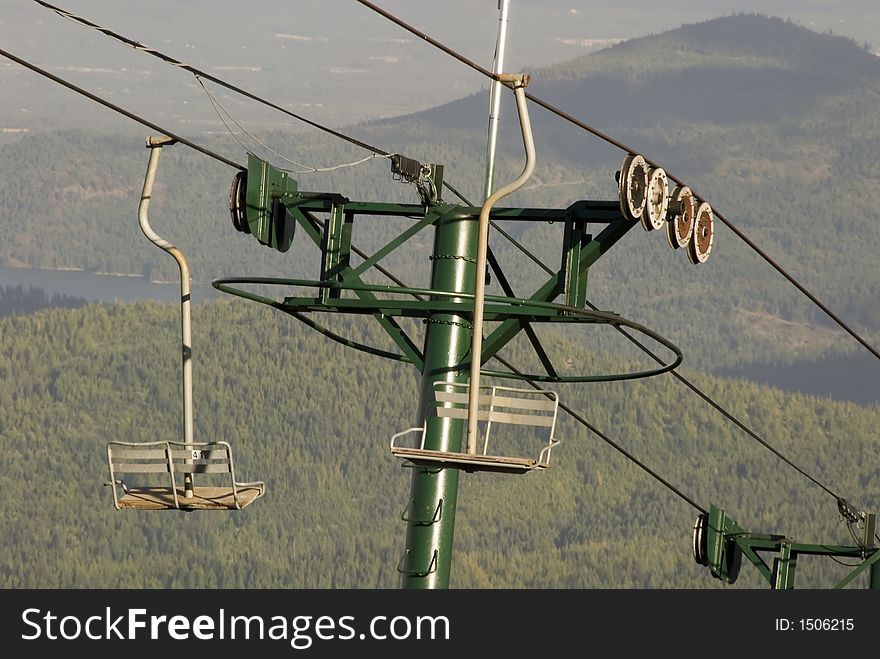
101, 288
854, 377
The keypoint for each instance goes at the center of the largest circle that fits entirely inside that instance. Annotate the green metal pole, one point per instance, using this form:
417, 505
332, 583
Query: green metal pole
874, 583
430, 515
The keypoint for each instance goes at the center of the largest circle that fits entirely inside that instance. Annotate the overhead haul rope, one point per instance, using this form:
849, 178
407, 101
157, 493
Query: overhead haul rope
120, 110
690, 385
620, 145
207, 76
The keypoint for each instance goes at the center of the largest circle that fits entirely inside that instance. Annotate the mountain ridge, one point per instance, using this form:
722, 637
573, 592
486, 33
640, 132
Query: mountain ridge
696, 61
767, 39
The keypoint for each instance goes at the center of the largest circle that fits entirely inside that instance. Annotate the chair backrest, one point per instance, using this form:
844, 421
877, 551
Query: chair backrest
169, 457
499, 405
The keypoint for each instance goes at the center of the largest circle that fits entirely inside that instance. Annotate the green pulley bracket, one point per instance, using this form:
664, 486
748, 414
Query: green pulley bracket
256, 203
715, 546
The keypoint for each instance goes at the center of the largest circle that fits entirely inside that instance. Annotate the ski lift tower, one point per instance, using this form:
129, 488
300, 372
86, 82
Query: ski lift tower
456, 411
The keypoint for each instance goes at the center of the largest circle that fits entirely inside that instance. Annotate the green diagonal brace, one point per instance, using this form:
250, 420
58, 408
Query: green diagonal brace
756, 560
306, 222
388, 323
530, 331
394, 244
505, 332
400, 338
868, 562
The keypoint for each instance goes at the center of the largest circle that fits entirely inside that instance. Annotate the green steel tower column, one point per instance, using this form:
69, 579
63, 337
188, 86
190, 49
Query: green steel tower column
430, 514
875, 576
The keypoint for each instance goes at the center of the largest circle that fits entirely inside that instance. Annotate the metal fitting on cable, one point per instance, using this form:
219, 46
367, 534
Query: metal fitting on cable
514, 80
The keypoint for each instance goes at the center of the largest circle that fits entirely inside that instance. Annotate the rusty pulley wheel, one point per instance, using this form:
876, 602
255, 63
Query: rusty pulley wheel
680, 221
700, 245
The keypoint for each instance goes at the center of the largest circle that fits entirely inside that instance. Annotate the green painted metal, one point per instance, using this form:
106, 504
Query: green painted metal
756, 560
723, 552
529, 330
336, 250
724, 533
576, 238
267, 187
554, 286
307, 222
784, 566
447, 341
763, 542
402, 339
872, 563
597, 212
385, 309
394, 244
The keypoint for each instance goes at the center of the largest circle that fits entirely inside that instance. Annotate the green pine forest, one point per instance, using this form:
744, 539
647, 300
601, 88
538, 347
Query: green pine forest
781, 137
313, 420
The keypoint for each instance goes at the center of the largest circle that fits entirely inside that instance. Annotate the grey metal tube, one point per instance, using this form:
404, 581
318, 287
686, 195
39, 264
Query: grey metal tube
519, 83
155, 145
495, 97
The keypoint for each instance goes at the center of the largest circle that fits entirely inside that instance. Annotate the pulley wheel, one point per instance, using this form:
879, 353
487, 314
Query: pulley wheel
633, 186
657, 201
701, 539
680, 224
237, 202
700, 245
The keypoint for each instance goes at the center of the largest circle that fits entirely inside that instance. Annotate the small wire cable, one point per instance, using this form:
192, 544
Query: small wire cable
116, 108
305, 169
837, 560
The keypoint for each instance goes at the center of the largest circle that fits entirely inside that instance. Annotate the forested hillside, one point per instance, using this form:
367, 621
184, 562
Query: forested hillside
313, 420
